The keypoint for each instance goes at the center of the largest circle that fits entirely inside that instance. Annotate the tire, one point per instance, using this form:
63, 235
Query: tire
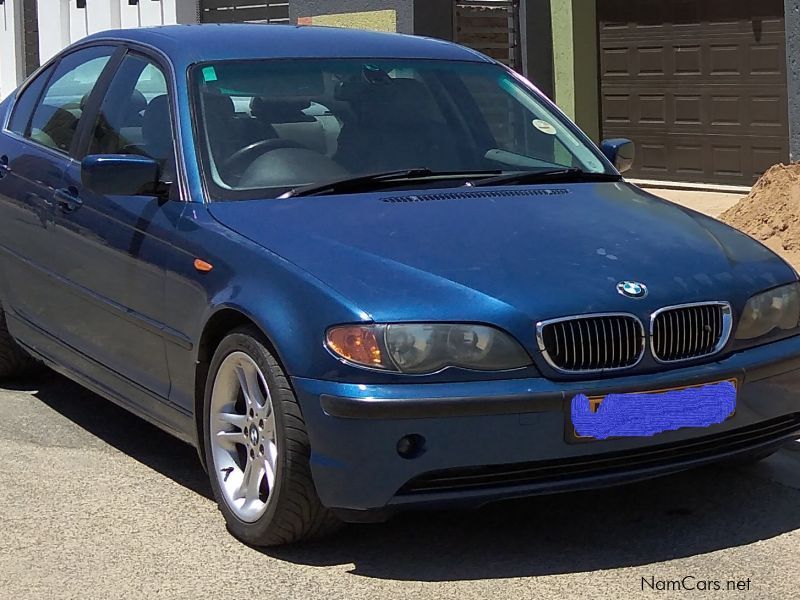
14, 361
275, 501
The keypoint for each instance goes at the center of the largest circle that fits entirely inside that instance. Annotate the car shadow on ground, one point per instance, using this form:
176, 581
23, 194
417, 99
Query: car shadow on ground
119, 428
682, 515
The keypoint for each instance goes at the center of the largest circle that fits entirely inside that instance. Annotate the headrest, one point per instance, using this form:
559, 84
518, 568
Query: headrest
392, 103
347, 91
157, 128
280, 111
138, 102
219, 106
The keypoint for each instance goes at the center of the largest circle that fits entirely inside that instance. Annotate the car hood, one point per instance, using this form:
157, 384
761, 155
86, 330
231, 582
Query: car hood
475, 254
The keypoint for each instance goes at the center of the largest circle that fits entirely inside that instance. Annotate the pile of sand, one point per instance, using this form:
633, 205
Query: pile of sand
771, 212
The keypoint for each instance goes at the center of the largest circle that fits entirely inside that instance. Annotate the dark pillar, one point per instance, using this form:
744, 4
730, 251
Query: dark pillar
537, 44
434, 18
792, 11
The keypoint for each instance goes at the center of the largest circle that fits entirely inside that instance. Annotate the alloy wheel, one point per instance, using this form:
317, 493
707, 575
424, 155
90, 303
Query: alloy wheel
242, 436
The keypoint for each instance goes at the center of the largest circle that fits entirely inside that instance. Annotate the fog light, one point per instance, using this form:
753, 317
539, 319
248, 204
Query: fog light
411, 446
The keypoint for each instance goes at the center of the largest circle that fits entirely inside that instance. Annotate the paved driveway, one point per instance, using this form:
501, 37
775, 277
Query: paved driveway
98, 504
711, 203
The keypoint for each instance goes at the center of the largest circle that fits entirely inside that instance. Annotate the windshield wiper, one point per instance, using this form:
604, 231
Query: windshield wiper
563, 175
364, 183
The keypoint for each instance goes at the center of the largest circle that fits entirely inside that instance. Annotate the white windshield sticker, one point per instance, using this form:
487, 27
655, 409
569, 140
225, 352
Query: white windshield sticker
544, 126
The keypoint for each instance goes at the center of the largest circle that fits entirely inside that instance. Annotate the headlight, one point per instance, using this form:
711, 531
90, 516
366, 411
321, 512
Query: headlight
775, 309
426, 347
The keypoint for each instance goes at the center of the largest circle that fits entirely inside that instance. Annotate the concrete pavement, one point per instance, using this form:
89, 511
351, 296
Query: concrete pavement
97, 504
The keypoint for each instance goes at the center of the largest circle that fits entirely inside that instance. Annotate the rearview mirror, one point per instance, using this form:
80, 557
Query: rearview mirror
121, 174
620, 152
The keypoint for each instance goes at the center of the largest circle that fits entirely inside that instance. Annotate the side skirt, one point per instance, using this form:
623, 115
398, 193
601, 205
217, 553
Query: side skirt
103, 381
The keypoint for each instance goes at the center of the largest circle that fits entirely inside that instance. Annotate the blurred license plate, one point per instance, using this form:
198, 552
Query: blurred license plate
645, 414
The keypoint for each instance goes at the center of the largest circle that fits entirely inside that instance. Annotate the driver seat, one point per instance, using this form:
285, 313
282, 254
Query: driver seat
157, 135
221, 126
395, 128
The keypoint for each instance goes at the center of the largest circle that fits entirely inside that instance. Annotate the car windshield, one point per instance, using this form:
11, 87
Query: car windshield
267, 127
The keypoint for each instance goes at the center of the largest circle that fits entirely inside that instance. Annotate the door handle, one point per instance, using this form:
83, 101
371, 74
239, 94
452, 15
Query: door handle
68, 199
5, 169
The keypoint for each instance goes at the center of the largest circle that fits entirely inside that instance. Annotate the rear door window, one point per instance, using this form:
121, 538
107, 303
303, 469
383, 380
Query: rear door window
23, 109
56, 117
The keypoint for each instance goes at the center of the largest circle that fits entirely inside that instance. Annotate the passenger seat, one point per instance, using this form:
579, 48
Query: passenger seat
395, 126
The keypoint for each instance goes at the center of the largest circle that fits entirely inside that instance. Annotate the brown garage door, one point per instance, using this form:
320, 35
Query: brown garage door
699, 85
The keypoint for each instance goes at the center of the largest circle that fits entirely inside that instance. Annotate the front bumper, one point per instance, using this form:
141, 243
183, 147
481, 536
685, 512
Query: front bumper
490, 440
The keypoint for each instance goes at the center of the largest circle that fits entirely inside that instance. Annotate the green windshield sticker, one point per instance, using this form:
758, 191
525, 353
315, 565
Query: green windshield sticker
209, 74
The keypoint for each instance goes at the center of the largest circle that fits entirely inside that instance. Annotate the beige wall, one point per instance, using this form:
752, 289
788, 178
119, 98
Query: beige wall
575, 62
376, 20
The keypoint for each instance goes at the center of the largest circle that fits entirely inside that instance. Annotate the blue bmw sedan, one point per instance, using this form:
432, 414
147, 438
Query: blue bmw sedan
364, 273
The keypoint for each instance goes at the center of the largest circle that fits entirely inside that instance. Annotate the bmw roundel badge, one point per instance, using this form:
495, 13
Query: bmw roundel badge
632, 289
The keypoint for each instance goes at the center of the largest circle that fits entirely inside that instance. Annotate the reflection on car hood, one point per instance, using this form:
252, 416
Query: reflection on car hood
542, 251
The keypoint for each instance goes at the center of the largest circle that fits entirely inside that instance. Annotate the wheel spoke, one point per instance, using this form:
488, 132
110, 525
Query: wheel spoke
242, 377
231, 438
233, 419
270, 463
248, 380
253, 482
241, 491
269, 428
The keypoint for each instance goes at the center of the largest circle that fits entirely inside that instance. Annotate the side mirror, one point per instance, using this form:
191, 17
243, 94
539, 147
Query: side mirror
620, 152
121, 174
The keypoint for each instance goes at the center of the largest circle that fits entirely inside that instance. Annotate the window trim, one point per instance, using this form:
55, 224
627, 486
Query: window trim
89, 114
36, 102
163, 61
210, 190
95, 103
53, 62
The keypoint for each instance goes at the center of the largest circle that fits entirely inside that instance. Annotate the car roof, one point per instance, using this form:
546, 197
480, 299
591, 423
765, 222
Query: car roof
186, 44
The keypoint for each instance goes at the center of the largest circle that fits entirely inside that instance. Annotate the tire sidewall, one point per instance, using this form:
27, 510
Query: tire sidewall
241, 342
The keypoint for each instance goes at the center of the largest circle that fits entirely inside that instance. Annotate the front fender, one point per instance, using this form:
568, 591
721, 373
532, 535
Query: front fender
290, 306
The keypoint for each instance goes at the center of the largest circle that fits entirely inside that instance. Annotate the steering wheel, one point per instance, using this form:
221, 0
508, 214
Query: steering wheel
252, 151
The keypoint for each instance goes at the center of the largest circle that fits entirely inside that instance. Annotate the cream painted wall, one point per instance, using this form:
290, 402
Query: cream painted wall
11, 44
62, 23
